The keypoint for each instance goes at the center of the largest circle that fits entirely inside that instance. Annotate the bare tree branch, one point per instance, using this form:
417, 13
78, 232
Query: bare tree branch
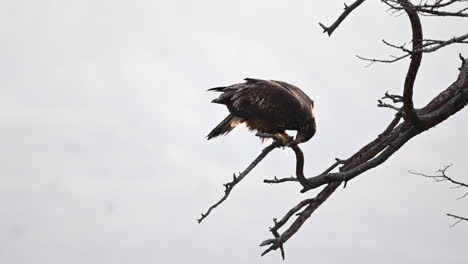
431, 9
277, 142
394, 97
439, 4
442, 176
299, 164
312, 204
437, 44
277, 180
463, 196
427, 11
236, 179
374, 60
457, 217
274, 230
294, 179
428, 47
386, 144
382, 104
347, 10
408, 107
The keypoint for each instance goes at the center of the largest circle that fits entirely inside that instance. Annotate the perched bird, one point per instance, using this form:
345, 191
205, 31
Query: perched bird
268, 107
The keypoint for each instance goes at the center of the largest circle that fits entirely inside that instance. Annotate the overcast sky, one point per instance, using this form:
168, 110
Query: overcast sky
103, 118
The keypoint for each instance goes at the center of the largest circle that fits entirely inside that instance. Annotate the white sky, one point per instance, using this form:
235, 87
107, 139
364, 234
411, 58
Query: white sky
104, 114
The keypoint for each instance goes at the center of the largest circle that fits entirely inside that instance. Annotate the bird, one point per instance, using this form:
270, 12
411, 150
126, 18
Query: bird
268, 107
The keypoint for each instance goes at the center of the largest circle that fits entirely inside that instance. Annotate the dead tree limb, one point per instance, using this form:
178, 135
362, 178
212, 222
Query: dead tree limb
311, 204
347, 10
459, 219
410, 113
435, 9
280, 180
447, 103
236, 179
442, 176
428, 46
277, 142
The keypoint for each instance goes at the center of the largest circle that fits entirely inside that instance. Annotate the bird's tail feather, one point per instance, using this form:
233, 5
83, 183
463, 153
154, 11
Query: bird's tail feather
217, 89
225, 126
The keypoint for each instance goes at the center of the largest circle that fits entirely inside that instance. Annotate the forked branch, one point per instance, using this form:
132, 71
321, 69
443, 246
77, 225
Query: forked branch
442, 176
428, 46
310, 206
433, 9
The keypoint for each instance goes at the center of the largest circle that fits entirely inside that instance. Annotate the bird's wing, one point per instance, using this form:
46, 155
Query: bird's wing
262, 99
298, 93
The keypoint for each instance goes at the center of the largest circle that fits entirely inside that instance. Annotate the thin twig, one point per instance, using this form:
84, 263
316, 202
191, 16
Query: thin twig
428, 46
429, 10
280, 180
374, 60
457, 217
395, 98
442, 176
382, 104
463, 196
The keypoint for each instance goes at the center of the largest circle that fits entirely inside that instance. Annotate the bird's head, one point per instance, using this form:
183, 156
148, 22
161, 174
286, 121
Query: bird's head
306, 132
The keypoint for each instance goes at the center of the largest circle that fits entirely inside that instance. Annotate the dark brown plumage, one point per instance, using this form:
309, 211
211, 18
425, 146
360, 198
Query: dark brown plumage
267, 107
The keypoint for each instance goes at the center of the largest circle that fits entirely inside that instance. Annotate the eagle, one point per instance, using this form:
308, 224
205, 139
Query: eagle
266, 106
